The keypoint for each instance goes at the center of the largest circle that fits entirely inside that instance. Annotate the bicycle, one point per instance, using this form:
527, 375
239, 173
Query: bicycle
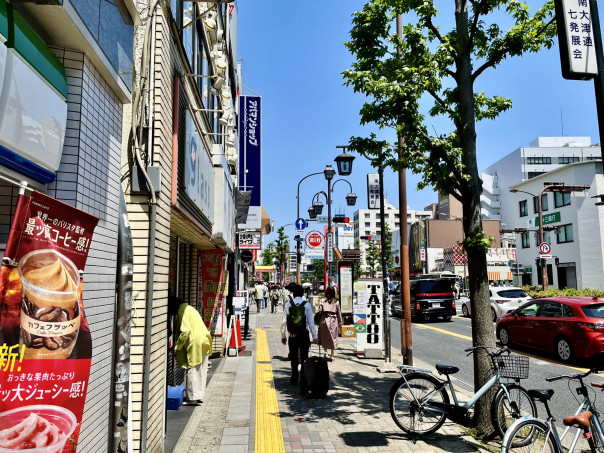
533, 434
419, 402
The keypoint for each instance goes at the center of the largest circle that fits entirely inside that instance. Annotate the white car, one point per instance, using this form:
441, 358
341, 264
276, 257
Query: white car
503, 299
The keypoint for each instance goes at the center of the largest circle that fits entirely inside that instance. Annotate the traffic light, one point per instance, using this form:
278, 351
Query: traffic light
340, 218
367, 238
557, 261
538, 262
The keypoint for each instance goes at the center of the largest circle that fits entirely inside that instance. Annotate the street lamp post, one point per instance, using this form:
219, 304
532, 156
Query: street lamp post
548, 187
329, 173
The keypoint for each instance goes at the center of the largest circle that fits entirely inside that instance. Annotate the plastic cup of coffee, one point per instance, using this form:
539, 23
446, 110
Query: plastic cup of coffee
50, 313
60, 417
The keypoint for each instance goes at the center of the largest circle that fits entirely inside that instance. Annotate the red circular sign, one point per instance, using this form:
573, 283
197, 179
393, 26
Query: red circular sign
314, 239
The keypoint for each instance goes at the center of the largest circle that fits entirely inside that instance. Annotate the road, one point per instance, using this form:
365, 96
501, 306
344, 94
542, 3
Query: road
444, 342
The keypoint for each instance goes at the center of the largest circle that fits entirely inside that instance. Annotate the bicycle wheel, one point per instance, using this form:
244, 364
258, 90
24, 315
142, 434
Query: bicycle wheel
505, 411
529, 436
409, 403
594, 436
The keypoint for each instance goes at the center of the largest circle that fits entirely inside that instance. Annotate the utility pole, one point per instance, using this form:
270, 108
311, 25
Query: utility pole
406, 340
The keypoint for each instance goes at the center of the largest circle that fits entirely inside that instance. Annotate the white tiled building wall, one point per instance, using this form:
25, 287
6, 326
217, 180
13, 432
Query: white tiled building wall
88, 179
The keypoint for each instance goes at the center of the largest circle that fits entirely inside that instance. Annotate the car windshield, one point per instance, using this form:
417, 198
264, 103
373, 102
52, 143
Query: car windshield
594, 311
512, 293
434, 286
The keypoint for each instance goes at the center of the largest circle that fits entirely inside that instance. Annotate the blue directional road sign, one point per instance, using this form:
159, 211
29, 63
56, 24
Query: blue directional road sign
300, 224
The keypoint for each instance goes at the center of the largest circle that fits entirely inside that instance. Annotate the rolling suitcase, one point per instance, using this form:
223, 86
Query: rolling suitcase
316, 372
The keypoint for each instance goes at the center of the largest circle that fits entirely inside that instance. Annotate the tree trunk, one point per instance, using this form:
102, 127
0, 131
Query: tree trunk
482, 326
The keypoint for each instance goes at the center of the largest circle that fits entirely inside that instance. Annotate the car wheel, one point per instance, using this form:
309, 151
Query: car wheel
504, 336
493, 315
465, 311
563, 349
448, 318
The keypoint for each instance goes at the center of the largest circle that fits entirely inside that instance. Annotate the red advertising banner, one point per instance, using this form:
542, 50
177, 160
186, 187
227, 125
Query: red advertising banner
212, 275
46, 345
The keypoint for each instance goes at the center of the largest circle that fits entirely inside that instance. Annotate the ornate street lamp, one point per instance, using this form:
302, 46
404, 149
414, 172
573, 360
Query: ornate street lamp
351, 199
312, 214
344, 163
318, 207
329, 172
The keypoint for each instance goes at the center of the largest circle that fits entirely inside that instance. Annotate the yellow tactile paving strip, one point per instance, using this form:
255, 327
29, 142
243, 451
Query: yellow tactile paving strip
269, 436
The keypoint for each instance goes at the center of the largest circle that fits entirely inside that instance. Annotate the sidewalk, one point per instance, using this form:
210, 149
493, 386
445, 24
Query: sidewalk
240, 413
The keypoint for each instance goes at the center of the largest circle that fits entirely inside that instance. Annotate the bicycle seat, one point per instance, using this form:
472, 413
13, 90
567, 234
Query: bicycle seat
446, 369
541, 395
582, 419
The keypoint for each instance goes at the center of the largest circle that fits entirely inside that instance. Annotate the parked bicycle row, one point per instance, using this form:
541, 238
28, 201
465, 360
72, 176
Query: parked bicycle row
420, 404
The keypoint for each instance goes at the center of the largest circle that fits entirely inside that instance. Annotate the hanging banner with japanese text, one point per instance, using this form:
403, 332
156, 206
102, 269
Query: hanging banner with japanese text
46, 342
213, 288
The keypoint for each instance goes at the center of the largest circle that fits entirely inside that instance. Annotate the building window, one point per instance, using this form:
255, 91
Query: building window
539, 160
367, 224
568, 160
534, 174
378, 225
544, 206
593, 157
397, 216
565, 234
526, 240
561, 199
367, 216
397, 225
387, 216
367, 233
523, 208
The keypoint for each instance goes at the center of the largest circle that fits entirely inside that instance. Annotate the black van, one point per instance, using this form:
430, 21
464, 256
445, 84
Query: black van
429, 298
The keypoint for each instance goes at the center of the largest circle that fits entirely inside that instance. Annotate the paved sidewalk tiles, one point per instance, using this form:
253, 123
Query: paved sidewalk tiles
240, 410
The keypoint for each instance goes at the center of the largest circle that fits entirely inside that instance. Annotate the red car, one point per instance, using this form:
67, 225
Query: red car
567, 326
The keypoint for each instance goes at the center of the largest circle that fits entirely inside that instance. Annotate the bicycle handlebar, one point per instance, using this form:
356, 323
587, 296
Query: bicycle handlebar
486, 349
570, 376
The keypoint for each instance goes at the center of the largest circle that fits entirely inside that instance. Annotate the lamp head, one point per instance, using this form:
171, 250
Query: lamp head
351, 199
329, 172
513, 190
311, 213
344, 163
318, 207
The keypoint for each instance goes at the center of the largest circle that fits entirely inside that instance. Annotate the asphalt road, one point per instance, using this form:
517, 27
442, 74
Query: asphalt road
444, 343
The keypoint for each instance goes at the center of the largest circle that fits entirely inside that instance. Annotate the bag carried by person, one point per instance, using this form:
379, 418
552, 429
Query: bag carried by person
319, 314
317, 376
296, 318
275, 296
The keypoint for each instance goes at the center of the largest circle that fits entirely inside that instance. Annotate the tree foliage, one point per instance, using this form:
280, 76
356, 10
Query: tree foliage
372, 257
431, 71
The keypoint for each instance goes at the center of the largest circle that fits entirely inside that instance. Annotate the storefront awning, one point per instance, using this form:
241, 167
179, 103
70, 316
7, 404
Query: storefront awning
494, 276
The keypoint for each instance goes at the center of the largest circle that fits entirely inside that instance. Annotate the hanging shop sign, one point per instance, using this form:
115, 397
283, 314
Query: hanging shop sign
199, 171
214, 281
46, 341
250, 240
33, 91
368, 309
242, 199
224, 209
576, 39
250, 146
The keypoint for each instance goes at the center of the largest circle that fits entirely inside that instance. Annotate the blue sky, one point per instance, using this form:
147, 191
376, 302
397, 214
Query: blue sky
293, 55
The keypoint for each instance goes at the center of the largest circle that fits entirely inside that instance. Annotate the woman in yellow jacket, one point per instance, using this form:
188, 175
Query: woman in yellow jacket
192, 349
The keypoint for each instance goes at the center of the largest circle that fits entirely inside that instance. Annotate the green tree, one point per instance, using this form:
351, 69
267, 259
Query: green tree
433, 70
282, 250
318, 269
387, 243
357, 269
373, 258
268, 254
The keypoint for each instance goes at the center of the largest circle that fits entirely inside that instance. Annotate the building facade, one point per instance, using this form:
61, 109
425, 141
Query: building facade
576, 242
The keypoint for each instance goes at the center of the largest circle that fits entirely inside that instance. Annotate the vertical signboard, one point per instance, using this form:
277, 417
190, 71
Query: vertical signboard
250, 151
576, 39
368, 319
213, 281
46, 341
346, 289
199, 171
373, 191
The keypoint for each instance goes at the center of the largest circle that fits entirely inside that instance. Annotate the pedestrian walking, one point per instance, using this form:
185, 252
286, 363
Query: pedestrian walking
297, 322
265, 295
331, 321
258, 295
274, 297
192, 349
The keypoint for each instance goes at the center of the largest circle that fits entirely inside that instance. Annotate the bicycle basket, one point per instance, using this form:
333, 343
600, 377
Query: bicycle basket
513, 366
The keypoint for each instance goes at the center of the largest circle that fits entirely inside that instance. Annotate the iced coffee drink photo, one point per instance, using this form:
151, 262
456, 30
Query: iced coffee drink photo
50, 313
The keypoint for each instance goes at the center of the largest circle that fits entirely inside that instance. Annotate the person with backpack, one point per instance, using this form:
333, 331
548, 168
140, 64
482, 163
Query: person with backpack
298, 321
274, 297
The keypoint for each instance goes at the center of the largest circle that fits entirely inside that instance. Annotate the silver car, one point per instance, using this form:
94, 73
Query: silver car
503, 299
